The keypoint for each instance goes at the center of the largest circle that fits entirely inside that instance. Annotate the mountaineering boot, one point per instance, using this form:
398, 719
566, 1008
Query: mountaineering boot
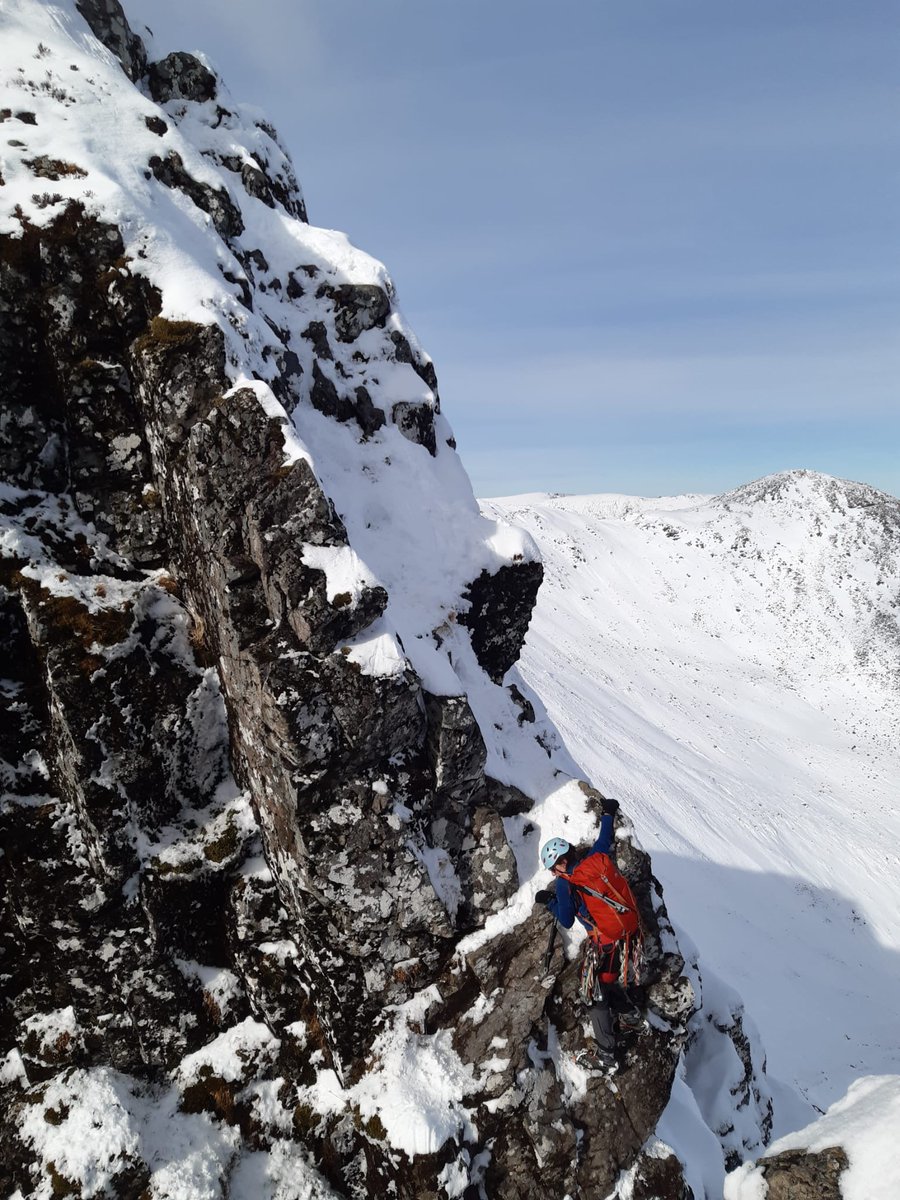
631, 1021
597, 1061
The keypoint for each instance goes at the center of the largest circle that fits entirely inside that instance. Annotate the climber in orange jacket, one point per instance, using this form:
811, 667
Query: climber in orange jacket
590, 887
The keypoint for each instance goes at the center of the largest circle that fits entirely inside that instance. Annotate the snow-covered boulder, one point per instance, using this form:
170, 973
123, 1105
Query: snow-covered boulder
849, 1153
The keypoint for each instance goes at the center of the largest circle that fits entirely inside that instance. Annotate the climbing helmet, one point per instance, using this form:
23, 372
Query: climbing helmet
554, 850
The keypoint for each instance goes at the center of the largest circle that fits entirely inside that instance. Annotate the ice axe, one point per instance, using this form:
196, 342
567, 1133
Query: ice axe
547, 980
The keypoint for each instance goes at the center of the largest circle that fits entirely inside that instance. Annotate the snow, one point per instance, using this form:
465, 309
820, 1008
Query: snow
91, 1123
221, 985
728, 668
415, 1086
864, 1123
183, 846
12, 1069
58, 1028
344, 573
683, 1127
282, 1173
100, 1120
229, 1055
733, 1106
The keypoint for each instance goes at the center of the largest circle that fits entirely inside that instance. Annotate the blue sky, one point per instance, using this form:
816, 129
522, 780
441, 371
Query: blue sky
651, 246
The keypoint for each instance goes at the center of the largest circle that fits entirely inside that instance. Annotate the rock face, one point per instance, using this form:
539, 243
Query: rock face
803, 1175
253, 849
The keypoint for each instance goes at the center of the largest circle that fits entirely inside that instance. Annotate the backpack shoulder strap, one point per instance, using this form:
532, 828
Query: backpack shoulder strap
583, 887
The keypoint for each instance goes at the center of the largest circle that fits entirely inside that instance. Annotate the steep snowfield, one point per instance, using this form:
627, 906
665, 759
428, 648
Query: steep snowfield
729, 667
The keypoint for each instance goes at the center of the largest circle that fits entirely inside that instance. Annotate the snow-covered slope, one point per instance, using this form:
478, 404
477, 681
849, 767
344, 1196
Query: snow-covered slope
851, 1151
730, 667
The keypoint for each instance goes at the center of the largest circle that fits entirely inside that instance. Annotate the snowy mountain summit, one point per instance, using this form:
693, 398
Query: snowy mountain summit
273, 791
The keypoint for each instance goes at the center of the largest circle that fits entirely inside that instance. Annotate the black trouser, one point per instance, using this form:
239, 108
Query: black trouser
603, 999
608, 998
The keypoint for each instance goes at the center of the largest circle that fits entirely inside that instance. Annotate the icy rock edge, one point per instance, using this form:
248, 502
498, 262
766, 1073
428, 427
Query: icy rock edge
273, 791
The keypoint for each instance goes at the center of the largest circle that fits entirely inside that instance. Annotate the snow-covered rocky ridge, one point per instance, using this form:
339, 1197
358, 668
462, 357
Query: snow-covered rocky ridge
730, 666
272, 799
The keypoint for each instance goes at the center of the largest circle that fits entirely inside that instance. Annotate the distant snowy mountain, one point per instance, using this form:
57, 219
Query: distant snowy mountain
730, 667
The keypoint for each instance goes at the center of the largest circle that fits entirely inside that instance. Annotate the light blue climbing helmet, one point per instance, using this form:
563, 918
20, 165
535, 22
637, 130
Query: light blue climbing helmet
554, 850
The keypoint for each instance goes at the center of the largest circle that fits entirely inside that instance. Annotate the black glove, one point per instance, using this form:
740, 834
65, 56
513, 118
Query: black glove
609, 808
542, 897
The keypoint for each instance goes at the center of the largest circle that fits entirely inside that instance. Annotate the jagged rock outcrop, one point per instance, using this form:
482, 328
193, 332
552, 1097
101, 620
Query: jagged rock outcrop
804, 1175
253, 850
109, 24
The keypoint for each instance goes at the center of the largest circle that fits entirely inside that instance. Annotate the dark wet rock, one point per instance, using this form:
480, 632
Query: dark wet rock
223, 212
270, 180
264, 951
181, 76
456, 748
660, 1178
178, 373
328, 400
358, 307
506, 799
316, 333
369, 418
274, 187
156, 125
489, 865
286, 386
109, 461
27, 118
60, 373
500, 606
526, 713
188, 910
804, 1175
423, 368
109, 24
324, 397
416, 422
54, 168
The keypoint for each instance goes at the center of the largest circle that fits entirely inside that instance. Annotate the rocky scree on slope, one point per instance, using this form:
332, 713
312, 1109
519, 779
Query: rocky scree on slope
239, 851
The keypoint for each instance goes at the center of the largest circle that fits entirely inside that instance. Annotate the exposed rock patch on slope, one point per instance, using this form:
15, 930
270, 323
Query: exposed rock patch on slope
270, 814
849, 1153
